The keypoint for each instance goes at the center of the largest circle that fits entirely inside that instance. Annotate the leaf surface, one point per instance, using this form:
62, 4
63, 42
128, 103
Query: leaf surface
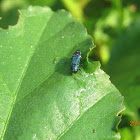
40, 98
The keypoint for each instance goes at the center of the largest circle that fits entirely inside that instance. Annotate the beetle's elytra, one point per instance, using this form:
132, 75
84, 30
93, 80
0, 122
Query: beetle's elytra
76, 61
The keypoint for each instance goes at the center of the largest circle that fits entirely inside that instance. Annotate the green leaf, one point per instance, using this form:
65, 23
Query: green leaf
40, 98
124, 70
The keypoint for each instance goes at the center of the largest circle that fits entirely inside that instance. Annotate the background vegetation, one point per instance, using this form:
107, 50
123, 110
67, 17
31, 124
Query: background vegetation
115, 27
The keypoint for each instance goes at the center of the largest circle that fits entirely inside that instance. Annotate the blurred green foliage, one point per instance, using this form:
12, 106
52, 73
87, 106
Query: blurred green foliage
114, 27
124, 69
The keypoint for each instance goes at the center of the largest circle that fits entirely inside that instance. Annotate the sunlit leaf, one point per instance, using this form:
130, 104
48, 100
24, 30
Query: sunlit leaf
40, 98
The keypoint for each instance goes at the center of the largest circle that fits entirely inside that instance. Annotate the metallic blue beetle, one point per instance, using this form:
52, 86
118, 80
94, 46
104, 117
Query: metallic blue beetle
75, 61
